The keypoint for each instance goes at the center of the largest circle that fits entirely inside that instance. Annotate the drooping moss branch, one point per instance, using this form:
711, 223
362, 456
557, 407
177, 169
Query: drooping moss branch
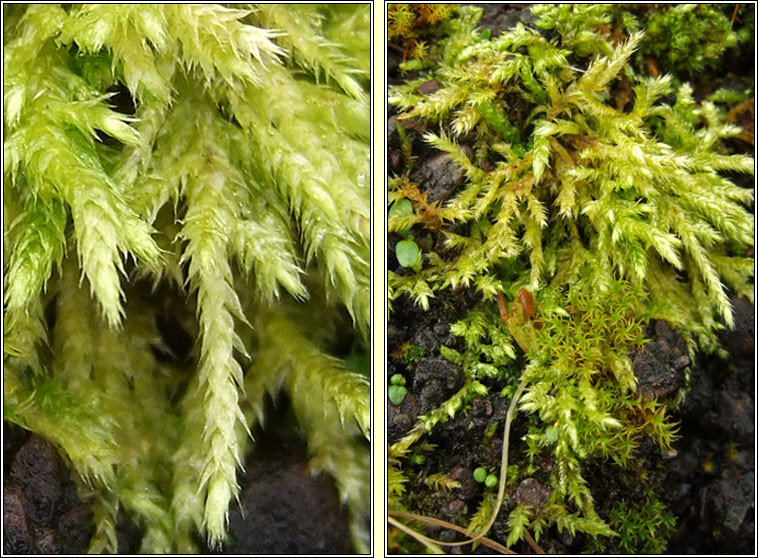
196, 151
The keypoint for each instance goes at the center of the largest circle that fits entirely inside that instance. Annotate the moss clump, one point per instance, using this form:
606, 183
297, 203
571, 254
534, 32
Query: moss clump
602, 193
186, 193
408, 22
686, 39
644, 527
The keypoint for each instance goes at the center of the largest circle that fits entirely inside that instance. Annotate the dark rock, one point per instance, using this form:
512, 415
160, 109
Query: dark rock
439, 176
436, 379
740, 340
413, 129
129, 533
701, 396
660, 365
285, 508
429, 87
532, 494
736, 493
455, 507
425, 338
736, 416
401, 418
16, 536
44, 542
395, 336
42, 513
448, 535
481, 408
469, 488
498, 18
35, 467
431, 396
449, 375
75, 527
13, 438
441, 329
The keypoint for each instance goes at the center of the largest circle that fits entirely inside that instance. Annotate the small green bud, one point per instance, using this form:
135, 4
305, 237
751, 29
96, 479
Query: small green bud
408, 253
417, 459
551, 433
491, 481
480, 473
396, 394
401, 208
397, 380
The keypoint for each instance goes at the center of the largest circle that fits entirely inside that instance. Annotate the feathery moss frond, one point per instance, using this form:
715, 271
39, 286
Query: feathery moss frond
301, 26
592, 183
323, 196
207, 186
38, 246
198, 147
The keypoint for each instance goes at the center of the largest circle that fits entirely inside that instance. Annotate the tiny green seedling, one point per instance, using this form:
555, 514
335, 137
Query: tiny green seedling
480, 474
551, 434
397, 380
396, 394
491, 480
401, 208
408, 253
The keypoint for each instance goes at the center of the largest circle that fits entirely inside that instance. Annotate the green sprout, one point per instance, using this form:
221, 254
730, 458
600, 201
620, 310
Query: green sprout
408, 253
491, 481
396, 394
480, 474
418, 459
397, 380
551, 434
401, 208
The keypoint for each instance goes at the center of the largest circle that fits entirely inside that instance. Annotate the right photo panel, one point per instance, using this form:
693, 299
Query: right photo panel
570, 248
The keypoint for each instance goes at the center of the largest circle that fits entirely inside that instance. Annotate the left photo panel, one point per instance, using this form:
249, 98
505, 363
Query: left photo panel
187, 278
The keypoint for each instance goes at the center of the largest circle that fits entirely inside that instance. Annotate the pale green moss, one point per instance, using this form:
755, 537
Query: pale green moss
234, 166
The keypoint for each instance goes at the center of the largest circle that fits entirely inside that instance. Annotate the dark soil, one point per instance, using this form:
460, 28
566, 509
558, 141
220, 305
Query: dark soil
707, 482
41, 511
711, 482
284, 509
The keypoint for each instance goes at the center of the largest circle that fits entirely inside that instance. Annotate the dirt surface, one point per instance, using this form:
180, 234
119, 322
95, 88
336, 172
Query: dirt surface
41, 511
711, 482
284, 508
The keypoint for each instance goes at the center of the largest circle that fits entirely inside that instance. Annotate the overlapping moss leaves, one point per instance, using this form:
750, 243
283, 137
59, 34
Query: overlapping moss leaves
159, 156
588, 186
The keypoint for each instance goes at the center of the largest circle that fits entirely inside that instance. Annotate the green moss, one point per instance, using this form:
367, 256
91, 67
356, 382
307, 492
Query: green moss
643, 528
593, 190
186, 196
689, 38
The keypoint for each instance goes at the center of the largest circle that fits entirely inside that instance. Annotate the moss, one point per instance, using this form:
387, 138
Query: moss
686, 39
643, 527
596, 199
173, 174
